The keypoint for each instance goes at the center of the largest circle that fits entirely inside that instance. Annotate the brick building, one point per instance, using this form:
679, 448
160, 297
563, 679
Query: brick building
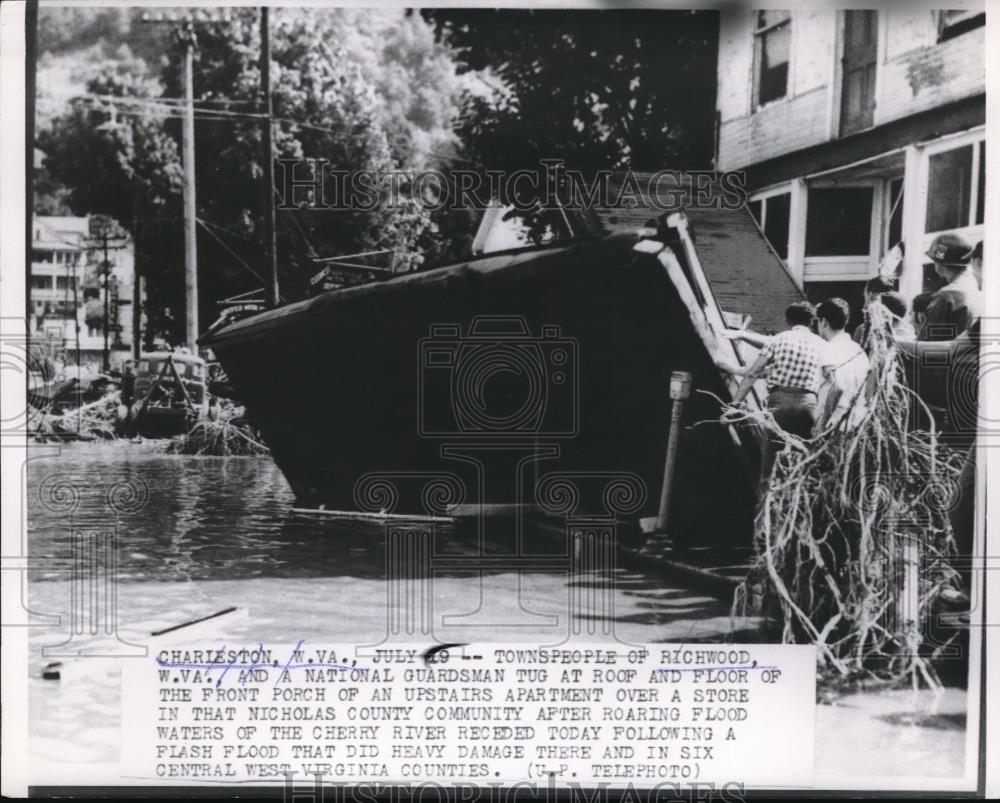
857, 130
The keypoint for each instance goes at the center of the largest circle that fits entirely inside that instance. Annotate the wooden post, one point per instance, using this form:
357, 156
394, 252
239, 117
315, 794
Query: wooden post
797, 231
914, 218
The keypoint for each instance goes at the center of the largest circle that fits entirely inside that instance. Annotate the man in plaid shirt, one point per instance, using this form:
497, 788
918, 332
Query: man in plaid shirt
791, 364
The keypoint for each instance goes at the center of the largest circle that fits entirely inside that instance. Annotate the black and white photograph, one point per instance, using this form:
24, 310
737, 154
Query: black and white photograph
452, 402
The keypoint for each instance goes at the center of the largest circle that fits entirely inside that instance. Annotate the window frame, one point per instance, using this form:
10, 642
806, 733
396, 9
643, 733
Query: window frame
972, 231
854, 267
758, 33
966, 20
762, 197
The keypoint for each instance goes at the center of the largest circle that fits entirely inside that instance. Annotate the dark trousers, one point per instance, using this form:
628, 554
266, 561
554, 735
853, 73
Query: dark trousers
794, 410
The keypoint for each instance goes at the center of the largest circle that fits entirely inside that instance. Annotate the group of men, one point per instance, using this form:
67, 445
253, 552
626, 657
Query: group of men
816, 380
815, 370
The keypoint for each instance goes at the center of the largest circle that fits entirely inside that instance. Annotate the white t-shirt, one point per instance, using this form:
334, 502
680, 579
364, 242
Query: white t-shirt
844, 364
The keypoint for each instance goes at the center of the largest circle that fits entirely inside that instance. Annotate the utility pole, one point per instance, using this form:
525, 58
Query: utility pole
136, 295
102, 231
30, 72
184, 31
270, 238
190, 213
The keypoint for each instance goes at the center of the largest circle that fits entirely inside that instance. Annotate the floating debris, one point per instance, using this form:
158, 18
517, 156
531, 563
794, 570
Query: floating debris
224, 432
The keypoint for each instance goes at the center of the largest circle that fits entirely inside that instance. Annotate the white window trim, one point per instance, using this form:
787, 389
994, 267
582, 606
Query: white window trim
954, 142
771, 192
755, 34
874, 255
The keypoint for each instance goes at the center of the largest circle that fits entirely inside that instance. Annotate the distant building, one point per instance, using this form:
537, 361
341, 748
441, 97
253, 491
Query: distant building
858, 130
67, 290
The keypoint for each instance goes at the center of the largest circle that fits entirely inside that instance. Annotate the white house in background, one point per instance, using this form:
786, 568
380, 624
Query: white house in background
857, 130
66, 277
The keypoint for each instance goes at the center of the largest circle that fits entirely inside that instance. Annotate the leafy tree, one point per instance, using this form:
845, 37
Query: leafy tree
363, 90
126, 166
342, 91
626, 88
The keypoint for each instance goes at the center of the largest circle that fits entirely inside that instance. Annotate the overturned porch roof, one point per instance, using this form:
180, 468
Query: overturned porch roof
746, 276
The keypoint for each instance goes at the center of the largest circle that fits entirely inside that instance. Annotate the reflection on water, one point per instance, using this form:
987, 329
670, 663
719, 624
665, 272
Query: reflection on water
195, 523
205, 518
182, 518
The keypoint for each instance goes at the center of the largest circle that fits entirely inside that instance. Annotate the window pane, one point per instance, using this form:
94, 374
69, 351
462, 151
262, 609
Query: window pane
774, 52
757, 210
779, 208
981, 198
949, 189
838, 222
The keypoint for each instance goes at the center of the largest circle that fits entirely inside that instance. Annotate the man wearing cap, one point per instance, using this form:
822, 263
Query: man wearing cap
959, 303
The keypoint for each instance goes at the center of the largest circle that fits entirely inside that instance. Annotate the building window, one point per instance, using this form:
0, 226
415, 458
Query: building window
839, 221
954, 23
772, 215
65, 283
41, 255
949, 189
772, 51
41, 282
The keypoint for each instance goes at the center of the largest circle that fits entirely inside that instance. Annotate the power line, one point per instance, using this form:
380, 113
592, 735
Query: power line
229, 231
220, 241
170, 107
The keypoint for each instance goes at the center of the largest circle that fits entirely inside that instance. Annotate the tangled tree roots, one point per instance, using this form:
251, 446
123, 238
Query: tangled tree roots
852, 537
224, 433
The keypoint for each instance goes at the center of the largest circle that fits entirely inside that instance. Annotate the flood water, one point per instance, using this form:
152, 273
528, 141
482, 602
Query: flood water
196, 536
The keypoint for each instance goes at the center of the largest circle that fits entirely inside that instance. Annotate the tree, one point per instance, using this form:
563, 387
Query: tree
342, 92
361, 89
626, 88
125, 165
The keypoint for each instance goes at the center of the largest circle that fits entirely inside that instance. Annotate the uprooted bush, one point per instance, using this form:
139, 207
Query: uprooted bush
853, 542
224, 432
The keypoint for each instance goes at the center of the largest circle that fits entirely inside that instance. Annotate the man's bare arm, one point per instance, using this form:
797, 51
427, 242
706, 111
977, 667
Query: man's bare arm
750, 377
753, 338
